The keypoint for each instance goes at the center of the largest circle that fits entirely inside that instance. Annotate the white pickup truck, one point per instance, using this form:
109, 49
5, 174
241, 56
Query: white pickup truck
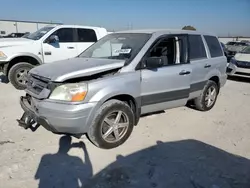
49, 44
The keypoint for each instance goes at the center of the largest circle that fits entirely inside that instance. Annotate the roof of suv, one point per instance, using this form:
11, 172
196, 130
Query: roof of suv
165, 31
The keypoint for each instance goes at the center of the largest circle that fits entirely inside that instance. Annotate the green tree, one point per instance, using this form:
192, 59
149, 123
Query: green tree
189, 27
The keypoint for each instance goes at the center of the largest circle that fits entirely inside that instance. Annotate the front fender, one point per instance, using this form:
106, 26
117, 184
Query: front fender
122, 84
39, 60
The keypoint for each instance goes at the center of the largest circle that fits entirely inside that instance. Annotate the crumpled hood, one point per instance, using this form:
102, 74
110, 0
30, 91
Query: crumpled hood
77, 67
6, 42
242, 57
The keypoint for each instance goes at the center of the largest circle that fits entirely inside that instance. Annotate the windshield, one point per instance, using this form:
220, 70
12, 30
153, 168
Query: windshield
246, 50
39, 33
124, 46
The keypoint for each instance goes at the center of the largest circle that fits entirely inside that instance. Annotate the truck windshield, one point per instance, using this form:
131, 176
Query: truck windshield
39, 33
124, 46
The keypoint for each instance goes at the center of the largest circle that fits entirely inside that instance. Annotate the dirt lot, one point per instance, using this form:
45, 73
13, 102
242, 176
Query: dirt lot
180, 148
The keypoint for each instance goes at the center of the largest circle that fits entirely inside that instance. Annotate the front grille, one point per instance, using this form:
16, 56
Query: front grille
36, 84
243, 64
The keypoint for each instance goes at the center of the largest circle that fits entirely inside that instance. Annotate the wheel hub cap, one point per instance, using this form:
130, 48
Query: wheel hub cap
114, 126
21, 76
210, 96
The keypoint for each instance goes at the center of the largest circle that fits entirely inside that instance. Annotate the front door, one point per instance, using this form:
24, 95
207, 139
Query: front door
167, 86
65, 48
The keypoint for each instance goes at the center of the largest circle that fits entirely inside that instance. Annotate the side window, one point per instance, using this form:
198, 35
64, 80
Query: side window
214, 46
197, 48
166, 49
65, 34
86, 35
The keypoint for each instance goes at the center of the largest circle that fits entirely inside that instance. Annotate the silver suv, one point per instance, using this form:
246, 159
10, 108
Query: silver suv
103, 92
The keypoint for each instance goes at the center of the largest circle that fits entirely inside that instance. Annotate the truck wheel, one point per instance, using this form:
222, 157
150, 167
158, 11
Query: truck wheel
112, 125
18, 75
208, 97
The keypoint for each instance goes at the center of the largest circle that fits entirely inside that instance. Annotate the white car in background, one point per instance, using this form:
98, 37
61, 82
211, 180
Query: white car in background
240, 63
49, 44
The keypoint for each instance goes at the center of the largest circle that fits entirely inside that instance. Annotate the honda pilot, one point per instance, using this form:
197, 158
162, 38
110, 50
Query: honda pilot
103, 92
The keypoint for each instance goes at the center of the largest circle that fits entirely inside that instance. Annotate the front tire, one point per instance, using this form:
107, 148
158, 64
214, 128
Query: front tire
18, 75
208, 97
112, 125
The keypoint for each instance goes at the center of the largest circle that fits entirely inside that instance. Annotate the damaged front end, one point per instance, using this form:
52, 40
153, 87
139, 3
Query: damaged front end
30, 119
39, 90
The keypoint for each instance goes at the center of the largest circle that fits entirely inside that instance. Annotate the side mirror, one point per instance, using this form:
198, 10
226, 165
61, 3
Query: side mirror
53, 39
154, 62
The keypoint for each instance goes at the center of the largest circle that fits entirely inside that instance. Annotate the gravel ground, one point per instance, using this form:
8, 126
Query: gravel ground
179, 148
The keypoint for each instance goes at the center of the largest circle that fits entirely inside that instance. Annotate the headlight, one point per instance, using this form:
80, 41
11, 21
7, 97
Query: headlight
70, 92
2, 55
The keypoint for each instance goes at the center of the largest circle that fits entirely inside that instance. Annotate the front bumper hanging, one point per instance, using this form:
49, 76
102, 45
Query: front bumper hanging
27, 122
30, 119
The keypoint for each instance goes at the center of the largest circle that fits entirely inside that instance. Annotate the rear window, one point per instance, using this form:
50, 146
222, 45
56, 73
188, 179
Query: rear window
213, 46
231, 43
197, 48
86, 35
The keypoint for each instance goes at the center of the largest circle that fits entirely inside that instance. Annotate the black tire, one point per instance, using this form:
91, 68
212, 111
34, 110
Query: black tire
13, 74
95, 131
199, 102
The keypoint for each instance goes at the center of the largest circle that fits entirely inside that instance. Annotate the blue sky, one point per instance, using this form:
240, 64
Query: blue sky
222, 17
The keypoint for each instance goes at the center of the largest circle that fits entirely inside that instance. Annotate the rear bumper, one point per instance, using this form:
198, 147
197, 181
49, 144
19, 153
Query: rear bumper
56, 117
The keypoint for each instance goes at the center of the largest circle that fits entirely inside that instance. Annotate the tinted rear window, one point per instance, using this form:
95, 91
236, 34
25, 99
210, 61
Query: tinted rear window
197, 49
213, 46
231, 43
86, 35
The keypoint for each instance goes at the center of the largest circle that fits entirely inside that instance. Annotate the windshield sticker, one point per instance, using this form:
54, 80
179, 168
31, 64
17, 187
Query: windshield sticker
123, 51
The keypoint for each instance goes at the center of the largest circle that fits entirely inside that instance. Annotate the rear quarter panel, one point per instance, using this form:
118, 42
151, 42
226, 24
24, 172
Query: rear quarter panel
218, 68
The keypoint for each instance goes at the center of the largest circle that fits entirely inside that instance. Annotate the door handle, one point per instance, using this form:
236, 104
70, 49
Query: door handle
184, 72
70, 47
207, 66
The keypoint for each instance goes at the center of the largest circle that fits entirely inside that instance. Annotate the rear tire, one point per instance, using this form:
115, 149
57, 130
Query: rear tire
202, 102
18, 75
105, 132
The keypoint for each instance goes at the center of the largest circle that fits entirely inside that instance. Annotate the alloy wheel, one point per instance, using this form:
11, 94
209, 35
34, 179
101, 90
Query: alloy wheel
114, 126
210, 96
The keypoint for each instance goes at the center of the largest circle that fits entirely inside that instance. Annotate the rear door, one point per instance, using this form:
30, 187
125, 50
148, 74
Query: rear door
166, 86
64, 49
218, 60
200, 64
85, 38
